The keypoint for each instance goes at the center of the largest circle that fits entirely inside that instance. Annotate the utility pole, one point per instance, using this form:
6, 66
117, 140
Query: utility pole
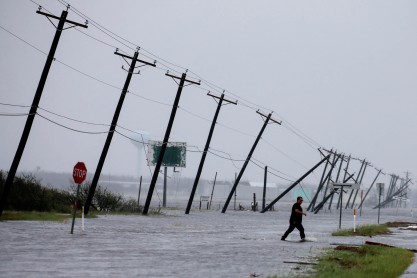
164, 195
323, 180
248, 158
140, 185
327, 179
320, 206
234, 203
337, 176
212, 190
264, 193
358, 180
313, 201
294, 184
344, 178
206, 147
32, 112
166, 137
366, 194
113, 125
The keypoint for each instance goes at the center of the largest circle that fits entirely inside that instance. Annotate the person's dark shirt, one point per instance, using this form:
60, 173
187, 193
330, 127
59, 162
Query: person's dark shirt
296, 217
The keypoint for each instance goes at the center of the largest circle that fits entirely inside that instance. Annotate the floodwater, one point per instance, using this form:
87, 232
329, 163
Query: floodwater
201, 244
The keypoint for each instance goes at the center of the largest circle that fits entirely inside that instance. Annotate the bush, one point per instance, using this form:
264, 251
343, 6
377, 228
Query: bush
103, 199
27, 194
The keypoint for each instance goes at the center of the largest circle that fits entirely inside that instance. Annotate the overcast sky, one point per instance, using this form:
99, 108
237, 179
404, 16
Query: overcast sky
339, 75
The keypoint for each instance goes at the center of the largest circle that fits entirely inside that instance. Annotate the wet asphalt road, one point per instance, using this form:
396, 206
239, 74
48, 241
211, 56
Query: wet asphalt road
201, 244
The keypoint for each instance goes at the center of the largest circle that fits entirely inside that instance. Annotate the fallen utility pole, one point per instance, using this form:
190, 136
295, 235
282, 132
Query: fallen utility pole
295, 183
206, 147
337, 176
369, 189
248, 158
357, 180
339, 204
390, 198
32, 112
360, 182
166, 137
313, 201
320, 206
327, 179
329, 175
113, 125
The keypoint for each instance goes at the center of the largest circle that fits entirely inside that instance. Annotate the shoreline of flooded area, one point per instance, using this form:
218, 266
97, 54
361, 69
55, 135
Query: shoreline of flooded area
201, 244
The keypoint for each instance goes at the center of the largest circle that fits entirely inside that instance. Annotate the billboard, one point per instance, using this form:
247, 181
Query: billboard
174, 156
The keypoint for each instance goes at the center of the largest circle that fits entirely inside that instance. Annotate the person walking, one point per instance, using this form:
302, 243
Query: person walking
296, 219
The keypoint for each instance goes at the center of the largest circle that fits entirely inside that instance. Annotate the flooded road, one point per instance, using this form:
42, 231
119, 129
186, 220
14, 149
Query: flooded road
201, 244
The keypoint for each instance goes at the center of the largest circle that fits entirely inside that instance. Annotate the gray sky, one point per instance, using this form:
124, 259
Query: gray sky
339, 74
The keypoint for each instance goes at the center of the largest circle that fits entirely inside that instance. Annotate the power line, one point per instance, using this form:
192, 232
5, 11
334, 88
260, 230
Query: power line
14, 105
213, 86
278, 176
251, 105
269, 167
88, 75
14, 114
23, 40
116, 87
73, 129
71, 119
151, 100
90, 123
100, 27
281, 152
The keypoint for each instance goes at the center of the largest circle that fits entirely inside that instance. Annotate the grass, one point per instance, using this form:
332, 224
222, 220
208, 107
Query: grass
34, 216
368, 261
365, 261
40, 216
365, 230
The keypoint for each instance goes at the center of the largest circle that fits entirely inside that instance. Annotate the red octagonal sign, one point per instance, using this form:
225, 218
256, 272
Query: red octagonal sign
79, 173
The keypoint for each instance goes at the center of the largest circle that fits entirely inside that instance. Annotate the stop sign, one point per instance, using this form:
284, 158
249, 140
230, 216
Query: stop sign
79, 173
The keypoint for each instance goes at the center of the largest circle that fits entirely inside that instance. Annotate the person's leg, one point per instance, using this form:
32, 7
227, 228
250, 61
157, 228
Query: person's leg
290, 229
300, 227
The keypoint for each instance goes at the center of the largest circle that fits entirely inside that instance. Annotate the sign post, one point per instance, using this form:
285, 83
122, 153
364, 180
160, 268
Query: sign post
341, 186
380, 187
354, 220
79, 174
174, 156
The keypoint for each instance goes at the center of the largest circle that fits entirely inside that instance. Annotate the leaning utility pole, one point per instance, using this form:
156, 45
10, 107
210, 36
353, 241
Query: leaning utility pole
248, 158
344, 178
295, 183
337, 176
206, 147
369, 189
328, 178
320, 206
166, 137
212, 190
313, 201
113, 126
264, 192
31, 116
358, 180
